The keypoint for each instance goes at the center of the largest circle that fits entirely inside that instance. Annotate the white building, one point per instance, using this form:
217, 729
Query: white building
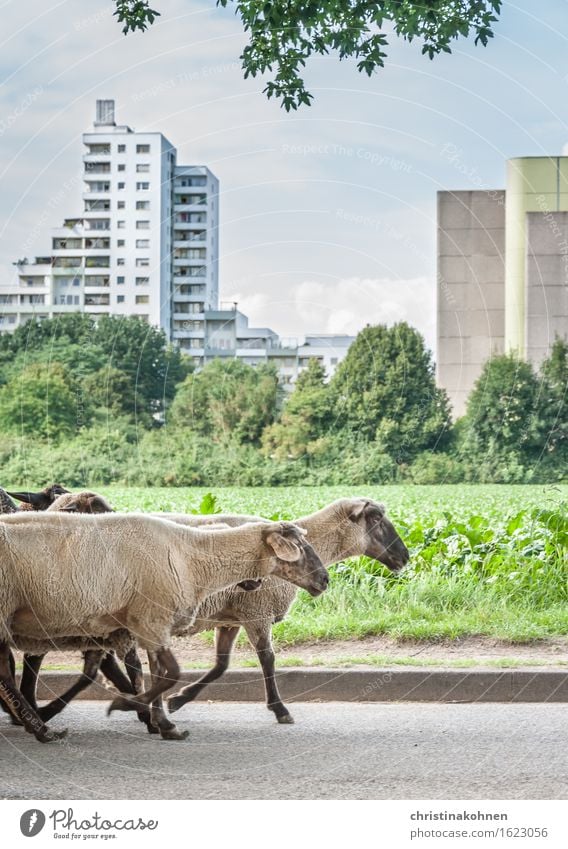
146, 243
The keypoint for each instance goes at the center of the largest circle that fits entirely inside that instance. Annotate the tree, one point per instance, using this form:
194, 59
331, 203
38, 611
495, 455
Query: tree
140, 351
554, 401
227, 401
502, 420
306, 420
283, 35
386, 392
110, 388
41, 401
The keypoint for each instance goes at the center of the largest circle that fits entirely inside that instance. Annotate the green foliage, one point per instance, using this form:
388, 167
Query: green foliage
207, 505
119, 363
385, 391
306, 420
42, 402
283, 36
227, 401
503, 431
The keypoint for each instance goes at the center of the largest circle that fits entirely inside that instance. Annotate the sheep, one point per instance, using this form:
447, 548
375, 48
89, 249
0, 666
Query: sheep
6, 503
80, 502
345, 528
121, 642
39, 500
348, 527
149, 577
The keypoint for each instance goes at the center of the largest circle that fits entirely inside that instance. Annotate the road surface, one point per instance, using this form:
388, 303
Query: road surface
335, 750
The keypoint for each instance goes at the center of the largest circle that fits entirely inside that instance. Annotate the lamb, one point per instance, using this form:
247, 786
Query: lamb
149, 577
348, 527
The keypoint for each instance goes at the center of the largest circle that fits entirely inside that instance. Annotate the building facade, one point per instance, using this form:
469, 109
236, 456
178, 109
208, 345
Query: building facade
147, 244
502, 276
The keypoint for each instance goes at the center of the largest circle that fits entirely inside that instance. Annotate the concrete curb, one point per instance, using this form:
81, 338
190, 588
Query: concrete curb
364, 685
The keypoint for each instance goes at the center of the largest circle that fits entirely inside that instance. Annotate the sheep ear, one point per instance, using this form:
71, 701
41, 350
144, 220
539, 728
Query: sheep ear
284, 548
357, 512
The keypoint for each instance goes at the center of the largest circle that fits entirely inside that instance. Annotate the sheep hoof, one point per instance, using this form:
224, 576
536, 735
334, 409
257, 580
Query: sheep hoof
173, 734
287, 719
152, 729
49, 736
121, 703
174, 703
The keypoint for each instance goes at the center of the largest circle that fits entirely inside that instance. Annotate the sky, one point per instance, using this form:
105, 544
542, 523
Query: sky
327, 214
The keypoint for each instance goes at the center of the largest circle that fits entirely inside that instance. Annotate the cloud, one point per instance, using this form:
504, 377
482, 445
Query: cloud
341, 306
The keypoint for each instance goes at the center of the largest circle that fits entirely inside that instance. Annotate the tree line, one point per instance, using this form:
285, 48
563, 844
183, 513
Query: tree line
88, 402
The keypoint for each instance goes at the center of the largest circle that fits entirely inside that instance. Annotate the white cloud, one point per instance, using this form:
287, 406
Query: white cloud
342, 306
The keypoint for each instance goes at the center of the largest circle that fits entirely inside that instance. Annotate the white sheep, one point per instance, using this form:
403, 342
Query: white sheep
137, 572
346, 528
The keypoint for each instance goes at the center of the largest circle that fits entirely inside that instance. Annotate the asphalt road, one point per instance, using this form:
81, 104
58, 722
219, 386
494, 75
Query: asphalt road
335, 750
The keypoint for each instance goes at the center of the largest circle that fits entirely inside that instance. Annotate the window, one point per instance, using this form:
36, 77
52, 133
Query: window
142, 262
120, 280
122, 148
142, 243
120, 299
99, 148
142, 148
122, 167
142, 225
142, 299
120, 243
121, 225
142, 204
142, 187
333, 361
120, 260
98, 186
143, 169
121, 204
142, 281
121, 186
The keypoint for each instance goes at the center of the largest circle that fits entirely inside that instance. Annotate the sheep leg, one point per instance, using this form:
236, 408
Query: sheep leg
18, 705
30, 673
166, 675
159, 719
261, 638
111, 670
12, 663
134, 670
224, 640
91, 662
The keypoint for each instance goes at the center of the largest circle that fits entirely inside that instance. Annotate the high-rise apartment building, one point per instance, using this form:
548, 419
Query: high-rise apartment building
145, 244
502, 277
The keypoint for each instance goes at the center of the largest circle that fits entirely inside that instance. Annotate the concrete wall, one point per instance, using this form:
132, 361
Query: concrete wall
546, 276
470, 288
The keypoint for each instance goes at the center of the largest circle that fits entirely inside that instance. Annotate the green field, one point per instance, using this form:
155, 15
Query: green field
485, 560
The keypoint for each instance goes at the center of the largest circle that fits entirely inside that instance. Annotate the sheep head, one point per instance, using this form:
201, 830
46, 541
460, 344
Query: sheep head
81, 502
368, 531
292, 557
40, 500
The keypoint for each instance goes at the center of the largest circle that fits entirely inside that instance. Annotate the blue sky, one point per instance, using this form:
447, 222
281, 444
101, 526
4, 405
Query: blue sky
328, 214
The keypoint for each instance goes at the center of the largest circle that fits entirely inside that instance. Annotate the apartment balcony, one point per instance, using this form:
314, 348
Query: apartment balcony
93, 159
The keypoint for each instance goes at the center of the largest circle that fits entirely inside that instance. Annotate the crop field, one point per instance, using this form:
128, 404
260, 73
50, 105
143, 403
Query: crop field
485, 560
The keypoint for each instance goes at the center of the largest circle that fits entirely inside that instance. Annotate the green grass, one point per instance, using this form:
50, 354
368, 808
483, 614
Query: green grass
485, 560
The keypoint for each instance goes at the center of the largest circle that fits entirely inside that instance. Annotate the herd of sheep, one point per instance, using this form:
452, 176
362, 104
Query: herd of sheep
75, 575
